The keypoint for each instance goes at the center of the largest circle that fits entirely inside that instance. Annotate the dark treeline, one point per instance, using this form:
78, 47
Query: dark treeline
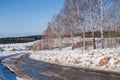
19, 39
97, 34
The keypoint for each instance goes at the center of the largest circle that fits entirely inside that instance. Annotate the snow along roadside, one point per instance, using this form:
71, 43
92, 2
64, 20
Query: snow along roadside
99, 59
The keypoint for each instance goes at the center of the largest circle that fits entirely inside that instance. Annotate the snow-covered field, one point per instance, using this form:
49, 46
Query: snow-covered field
99, 59
7, 50
15, 47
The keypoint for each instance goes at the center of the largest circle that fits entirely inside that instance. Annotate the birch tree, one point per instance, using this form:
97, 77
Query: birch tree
80, 6
91, 22
68, 11
101, 21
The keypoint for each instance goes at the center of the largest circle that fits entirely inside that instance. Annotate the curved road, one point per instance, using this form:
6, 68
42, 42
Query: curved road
5, 73
36, 70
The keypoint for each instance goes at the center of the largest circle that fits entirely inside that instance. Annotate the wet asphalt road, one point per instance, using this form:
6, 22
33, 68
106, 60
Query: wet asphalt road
37, 70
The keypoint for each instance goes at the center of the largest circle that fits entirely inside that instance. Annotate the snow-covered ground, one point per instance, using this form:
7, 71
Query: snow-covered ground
99, 59
10, 53
54, 44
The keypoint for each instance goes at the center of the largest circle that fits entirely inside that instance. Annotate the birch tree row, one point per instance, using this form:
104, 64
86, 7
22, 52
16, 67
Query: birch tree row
82, 16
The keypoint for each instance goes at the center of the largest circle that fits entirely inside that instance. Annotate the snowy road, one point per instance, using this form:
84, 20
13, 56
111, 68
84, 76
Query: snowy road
36, 70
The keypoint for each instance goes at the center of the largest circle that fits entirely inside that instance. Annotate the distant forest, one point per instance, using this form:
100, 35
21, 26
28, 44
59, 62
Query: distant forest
25, 39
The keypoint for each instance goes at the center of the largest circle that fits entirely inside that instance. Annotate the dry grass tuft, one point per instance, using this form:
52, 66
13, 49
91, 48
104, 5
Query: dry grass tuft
104, 61
117, 62
57, 61
77, 62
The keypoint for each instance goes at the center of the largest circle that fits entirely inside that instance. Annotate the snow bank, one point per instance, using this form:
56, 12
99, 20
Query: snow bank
18, 78
6, 54
99, 59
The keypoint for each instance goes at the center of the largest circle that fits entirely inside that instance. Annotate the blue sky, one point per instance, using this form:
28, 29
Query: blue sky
26, 17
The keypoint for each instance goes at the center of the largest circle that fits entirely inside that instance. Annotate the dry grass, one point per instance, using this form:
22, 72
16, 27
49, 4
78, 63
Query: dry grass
104, 61
77, 62
57, 61
117, 62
